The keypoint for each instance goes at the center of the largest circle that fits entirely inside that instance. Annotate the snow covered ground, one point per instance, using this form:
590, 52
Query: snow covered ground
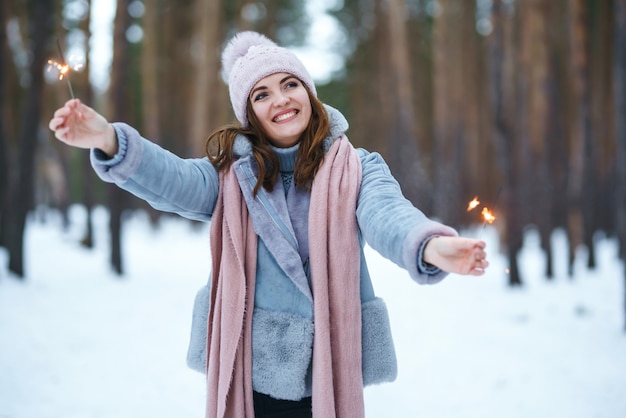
78, 342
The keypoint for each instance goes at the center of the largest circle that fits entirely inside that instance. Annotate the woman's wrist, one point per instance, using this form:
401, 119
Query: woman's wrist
110, 145
427, 256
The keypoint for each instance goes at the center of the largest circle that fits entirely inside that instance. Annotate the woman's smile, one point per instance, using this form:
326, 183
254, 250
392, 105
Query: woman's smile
281, 117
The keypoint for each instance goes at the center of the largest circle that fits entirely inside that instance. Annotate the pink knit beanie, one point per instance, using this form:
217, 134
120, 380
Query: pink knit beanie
249, 57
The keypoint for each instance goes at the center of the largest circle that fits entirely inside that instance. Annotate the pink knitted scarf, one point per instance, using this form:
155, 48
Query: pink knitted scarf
335, 262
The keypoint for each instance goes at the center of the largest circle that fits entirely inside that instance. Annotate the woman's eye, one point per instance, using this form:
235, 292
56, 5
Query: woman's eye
260, 96
291, 84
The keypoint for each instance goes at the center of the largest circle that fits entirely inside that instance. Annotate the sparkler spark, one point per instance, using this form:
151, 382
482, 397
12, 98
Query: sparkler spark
473, 204
488, 216
63, 69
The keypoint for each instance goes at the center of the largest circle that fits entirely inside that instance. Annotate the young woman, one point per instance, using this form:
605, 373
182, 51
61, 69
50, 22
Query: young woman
289, 325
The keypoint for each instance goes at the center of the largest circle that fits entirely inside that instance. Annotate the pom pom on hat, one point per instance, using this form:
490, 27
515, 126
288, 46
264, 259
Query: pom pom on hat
249, 57
239, 46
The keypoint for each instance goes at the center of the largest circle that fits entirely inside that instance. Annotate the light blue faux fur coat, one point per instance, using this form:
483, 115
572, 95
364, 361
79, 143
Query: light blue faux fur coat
283, 322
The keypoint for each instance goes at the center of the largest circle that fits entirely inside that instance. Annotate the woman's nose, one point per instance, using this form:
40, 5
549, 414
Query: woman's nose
281, 99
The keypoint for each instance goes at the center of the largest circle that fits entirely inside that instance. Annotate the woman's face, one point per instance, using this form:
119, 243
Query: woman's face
282, 105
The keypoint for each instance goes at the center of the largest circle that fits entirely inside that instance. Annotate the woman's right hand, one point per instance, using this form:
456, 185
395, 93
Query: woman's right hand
80, 126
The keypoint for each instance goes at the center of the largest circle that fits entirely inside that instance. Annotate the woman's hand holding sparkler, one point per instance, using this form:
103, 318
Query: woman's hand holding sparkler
80, 126
457, 255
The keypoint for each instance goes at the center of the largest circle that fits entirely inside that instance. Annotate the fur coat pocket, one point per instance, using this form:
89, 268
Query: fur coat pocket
379, 356
196, 352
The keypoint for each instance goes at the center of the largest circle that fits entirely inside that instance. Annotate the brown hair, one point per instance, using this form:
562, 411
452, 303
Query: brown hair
219, 147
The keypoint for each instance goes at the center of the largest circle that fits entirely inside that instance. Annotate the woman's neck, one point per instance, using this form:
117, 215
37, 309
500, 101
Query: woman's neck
287, 157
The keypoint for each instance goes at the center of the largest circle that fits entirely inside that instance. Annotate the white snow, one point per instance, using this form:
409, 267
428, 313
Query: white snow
76, 341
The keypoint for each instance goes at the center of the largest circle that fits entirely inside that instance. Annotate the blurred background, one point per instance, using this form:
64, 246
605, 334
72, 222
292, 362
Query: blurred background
520, 103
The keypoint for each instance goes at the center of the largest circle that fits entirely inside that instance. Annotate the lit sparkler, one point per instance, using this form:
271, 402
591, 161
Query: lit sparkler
487, 214
63, 69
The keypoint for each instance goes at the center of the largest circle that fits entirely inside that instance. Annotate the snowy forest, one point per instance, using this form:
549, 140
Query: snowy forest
513, 107
521, 103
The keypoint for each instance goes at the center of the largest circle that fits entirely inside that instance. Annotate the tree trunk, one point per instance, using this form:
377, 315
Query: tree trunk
620, 118
477, 160
88, 177
535, 164
22, 194
150, 90
175, 64
204, 114
556, 135
422, 72
457, 100
403, 153
447, 125
620, 112
150, 73
504, 98
603, 114
117, 198
576, 125
4, 149
367, 86
589, 152
10, 96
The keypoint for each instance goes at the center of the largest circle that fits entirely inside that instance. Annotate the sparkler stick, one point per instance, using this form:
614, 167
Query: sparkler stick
65, 68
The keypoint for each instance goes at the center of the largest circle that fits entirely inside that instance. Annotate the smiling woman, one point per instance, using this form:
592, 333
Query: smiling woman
282, 106
291, 205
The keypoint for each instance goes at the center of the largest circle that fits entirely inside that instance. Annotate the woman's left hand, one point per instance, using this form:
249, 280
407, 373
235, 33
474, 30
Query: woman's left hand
457, 255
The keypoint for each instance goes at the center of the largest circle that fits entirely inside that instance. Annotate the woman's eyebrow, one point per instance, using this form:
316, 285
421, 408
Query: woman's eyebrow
264, 87
256, 89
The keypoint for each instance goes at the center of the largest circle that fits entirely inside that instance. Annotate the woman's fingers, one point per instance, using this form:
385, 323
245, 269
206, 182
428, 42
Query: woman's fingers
57, 125
476, 258
54, 123
59, 118
65, 119
480, 263
480, 255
